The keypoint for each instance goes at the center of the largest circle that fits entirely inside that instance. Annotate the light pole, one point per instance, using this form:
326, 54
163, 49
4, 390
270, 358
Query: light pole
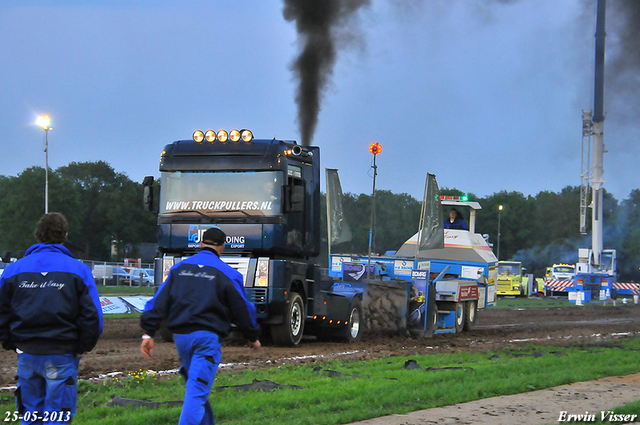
375, 149
44, 122
499, 212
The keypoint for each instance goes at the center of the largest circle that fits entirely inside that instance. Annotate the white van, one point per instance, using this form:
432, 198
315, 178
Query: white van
142, 276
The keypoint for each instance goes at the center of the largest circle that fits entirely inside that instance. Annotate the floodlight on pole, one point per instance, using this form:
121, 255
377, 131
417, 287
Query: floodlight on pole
44, 121
375, 149
499, 212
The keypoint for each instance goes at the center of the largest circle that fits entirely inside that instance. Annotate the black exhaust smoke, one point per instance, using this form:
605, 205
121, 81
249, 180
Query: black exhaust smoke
320, 25
624, 69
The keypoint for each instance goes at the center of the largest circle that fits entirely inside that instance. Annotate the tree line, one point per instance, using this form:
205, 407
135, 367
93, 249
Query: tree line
104, 210
538, 230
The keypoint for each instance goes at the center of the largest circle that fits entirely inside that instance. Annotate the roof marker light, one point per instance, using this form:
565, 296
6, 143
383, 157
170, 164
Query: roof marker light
234, 135
210, 136
223, 135
463, 198
246, 135
198, 136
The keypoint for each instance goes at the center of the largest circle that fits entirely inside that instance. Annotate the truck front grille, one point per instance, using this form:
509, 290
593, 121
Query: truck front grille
240, 264
504, 285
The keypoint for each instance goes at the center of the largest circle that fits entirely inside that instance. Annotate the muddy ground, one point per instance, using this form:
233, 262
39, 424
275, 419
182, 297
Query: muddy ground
119, 347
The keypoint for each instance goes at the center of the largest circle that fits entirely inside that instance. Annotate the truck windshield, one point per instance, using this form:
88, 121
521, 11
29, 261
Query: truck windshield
508, 269
606, 258
206, 192
564, 269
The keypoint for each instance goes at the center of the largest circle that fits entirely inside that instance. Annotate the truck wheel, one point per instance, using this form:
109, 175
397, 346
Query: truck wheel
352, 332
165, 333
289, 332
470, 316
460, 316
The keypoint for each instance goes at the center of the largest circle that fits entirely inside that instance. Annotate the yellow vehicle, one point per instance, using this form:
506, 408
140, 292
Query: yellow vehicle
510, 279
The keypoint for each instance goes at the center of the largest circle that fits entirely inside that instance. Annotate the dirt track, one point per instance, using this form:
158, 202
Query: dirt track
119, 347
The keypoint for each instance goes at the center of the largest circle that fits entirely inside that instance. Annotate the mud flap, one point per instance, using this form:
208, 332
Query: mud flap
422, 308
432, 311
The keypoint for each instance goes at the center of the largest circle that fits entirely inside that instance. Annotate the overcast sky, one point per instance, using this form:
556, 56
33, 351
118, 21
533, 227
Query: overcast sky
488, 95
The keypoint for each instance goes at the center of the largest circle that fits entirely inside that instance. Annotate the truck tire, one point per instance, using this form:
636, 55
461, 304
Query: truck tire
290, 331
460, 316
165, 333
352, 332
471, 308
434, 320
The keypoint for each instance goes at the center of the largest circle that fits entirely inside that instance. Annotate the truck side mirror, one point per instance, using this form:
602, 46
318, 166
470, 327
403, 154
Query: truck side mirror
148, 194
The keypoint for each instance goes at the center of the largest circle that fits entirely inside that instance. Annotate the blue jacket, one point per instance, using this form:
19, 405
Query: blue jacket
202, 292
49, 303
458, 224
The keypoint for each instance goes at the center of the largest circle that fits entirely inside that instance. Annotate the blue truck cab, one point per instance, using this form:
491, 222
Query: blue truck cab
265, 195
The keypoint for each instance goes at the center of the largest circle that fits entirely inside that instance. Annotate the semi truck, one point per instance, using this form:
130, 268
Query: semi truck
562, 272
265, 195
510, 279
559, 277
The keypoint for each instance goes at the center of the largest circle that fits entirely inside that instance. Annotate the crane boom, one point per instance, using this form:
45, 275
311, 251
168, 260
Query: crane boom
597, 172
585, 171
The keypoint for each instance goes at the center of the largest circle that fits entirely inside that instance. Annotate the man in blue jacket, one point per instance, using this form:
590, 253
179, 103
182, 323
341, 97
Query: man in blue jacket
50, 314
200, 299
456, 221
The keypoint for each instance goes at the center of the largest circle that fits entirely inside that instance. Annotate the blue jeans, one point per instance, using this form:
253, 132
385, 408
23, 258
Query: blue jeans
47, 384
200, 357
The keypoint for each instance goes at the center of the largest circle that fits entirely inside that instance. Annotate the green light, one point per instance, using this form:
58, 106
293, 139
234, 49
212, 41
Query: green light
464, 198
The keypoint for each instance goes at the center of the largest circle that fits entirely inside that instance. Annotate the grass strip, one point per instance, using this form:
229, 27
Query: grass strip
124, 291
